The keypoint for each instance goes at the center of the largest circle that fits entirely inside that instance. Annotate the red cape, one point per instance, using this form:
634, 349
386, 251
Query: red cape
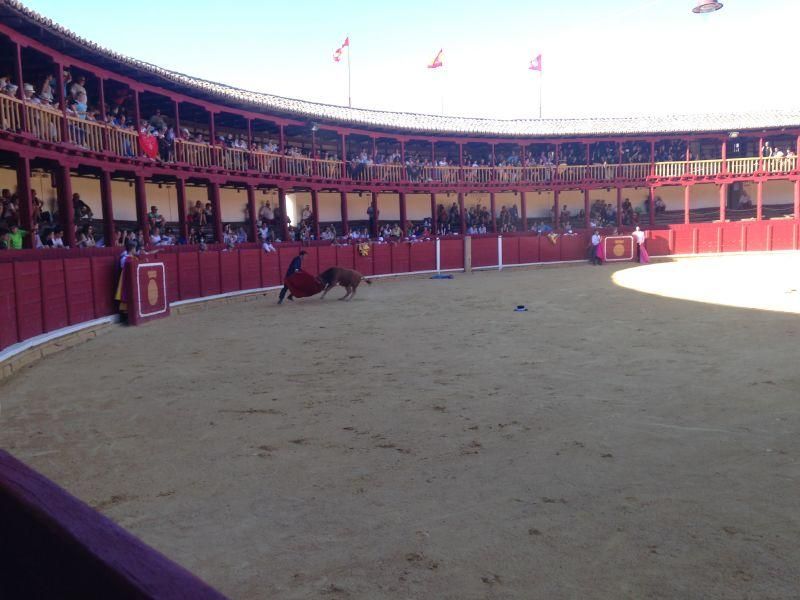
303, 284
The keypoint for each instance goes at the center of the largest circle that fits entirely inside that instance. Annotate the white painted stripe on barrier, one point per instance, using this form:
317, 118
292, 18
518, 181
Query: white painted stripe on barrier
438, 255
225, 295
500, 252
24, 345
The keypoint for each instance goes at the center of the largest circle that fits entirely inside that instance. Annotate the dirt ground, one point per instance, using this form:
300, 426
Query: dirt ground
426, 441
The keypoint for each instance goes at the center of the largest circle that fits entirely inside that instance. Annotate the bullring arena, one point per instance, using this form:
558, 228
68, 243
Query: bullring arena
632, 433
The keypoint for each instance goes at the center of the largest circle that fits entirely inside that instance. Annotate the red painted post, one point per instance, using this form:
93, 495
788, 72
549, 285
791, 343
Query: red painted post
652, 158
461, 163
462, 214
183, 222
523, 201
108, 208
137, 115
403, 163
315, 211
65, 206
252, 229
24, 197
724, 156
723, 201
556, 211
403, 213
493, 177
21, 87
216, 207
375, 215
345, 220
797, 199
619, 206
101, 84
493, 208
687, 198
652, 206
586, 207
249, 134
759, 200
344, 156
760, 155
62, 104
434, 216
141, 206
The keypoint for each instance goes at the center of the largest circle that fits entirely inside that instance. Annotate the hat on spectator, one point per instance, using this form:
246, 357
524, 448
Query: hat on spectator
27, 87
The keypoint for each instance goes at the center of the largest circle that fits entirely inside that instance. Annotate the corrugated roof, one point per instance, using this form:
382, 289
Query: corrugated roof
414, 122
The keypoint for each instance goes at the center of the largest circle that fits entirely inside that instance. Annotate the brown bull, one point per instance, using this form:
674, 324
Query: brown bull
347, 278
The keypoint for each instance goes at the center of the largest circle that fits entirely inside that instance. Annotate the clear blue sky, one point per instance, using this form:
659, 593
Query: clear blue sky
609, 57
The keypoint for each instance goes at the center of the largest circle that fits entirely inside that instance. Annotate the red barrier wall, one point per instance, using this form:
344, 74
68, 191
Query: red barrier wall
41, 291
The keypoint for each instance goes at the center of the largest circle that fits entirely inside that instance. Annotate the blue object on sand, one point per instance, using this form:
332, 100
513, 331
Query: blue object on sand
442, 276
521, 308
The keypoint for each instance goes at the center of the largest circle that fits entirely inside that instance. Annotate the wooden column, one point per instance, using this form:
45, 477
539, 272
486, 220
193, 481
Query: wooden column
344, 156
212, 129
137, 115
687, 198
760, 155
652, 206
284, 224
24, 197
66, 208
462, 213
797, 199
62, 104
723, 201
619, 206
216, 206
374, 232
252, 229
434, 216
101, 85
523, 210
108, 208
141, 206
345, 219
586, 207
759, 200
492, 204
403, 212
556, 211
315, 211
183, 221
20, 88
178, 147
724, 155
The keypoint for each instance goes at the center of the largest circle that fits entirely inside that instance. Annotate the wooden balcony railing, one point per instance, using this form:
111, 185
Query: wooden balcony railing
390, 173
44, 122
194, 153
633, 171
123, 142
670, 169
330, 169
234, 159
705, 168
542, 174
571, 174
779, 164
265, 162
299, 166
10, 113
742, 166
87, 134
478, 174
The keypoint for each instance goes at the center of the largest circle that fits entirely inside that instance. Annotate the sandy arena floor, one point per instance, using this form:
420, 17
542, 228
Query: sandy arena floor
425, 441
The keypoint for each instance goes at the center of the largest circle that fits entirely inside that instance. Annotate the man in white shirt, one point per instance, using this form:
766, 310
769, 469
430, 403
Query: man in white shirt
595, 259
266, 213
638, 239
267, 246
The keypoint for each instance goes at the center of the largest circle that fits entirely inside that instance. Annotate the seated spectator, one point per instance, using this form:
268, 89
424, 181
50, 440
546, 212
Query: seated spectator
85, 237
14, 237
660, 207
267, 246
155, 236
58, 238
154, 218
82, 210
5, 244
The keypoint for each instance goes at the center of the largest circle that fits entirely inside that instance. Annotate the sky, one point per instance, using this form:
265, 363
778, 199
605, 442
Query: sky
600, 57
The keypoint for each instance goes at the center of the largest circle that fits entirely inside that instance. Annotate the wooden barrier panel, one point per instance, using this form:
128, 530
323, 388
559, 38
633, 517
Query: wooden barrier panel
451, 253
311, 261
529, 249
732, 237
756, 239
381, 259
782, 234
363, 264
511, 251
707, 237
229, 271
78, 281
658, 242
345, 257
170, 260
683, 240
209, 273
54, 295
574, 247
189, 275
422, 257
326, 258
55, 546
401, 257
8, 306
550, 249
250, 269
270, 269
28, 285
484, 251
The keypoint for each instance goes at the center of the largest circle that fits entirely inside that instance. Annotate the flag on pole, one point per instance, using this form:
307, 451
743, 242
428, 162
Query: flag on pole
437, 62
536, 64
337, 55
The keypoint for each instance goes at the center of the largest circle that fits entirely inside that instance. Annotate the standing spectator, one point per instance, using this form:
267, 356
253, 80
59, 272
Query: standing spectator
154, 218
81, 209
15, 236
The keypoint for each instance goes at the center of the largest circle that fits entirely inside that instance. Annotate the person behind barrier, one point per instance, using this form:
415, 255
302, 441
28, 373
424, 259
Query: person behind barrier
294, 266
595, 259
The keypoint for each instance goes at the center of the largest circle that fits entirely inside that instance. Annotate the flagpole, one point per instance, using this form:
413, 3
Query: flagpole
349, 96
541, 76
